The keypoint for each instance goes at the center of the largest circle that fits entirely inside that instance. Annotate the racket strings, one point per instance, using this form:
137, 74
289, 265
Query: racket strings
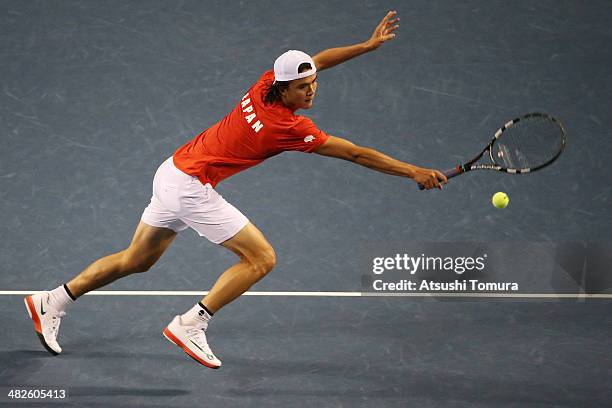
529, 143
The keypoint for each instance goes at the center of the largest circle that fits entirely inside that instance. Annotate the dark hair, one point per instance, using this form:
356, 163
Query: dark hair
273, 94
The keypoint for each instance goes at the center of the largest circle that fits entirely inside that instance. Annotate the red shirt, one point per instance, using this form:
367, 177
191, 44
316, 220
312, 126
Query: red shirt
246, 136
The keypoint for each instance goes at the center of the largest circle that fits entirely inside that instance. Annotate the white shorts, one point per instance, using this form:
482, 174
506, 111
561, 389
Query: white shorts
180, 201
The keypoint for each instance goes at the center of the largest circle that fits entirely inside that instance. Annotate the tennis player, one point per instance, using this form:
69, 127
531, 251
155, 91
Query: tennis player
262, 124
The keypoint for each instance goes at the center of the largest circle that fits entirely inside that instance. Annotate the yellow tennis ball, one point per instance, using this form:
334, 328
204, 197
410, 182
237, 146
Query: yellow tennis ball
500, 200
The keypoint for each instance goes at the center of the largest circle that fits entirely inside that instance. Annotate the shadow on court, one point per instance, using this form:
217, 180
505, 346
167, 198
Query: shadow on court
438, 385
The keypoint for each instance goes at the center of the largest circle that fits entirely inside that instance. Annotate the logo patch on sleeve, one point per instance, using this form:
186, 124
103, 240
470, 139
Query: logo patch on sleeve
309, 138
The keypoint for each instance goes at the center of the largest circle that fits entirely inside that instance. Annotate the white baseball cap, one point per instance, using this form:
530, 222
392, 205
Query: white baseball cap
286, 66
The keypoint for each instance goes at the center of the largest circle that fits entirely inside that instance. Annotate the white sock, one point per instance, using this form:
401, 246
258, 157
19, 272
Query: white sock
59, 298
196, 316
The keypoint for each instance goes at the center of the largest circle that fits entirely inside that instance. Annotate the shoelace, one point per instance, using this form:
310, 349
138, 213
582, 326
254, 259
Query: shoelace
198, 336
56, 319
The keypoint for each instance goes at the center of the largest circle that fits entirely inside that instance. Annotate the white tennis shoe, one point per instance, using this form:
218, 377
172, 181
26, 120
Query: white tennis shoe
46, 320
192, 340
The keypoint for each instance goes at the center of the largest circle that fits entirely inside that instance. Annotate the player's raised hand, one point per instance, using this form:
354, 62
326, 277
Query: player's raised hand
384, 31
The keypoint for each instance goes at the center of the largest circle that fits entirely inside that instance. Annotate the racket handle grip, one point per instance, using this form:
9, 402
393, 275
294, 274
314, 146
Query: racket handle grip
455, 171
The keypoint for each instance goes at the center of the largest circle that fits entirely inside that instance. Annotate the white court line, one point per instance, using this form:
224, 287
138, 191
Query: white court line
336, 294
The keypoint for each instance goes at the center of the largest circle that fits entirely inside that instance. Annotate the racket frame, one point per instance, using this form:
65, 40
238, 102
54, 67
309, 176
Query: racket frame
469, 166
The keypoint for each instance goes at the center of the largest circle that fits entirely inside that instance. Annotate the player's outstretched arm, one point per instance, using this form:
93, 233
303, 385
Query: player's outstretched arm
383, 32
375, 160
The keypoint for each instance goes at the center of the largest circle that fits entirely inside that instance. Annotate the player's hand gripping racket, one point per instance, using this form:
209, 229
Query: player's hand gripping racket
522, 145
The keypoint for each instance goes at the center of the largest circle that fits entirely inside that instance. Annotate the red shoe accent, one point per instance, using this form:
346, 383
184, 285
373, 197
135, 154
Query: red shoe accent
179, 343
33, 314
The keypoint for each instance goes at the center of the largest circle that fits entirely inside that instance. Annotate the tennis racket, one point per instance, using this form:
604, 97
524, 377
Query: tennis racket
522, 145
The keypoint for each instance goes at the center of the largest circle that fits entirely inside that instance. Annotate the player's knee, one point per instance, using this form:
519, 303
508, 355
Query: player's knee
269, 259
264, 262
133, 263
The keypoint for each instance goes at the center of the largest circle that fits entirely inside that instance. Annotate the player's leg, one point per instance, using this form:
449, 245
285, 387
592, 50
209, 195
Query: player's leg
153, 235
47, 308
204, 210
257, 258
147, 246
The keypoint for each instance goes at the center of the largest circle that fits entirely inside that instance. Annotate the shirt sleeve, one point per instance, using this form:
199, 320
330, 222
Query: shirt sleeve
304, 136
